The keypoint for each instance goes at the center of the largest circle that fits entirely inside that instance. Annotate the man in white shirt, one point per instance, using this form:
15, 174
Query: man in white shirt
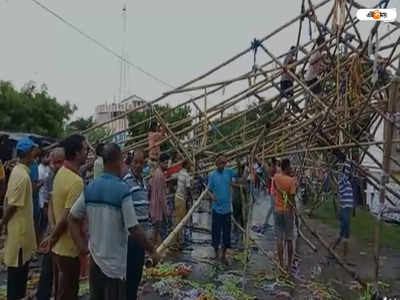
315, 69
44, 173
182, 196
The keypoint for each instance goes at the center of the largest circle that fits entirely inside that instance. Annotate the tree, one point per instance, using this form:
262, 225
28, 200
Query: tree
32, 110
81, 124
262, 115
170, 115
94, 136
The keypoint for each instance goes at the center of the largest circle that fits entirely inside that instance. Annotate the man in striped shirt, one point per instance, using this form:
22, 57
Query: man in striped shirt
140, 197
346, 206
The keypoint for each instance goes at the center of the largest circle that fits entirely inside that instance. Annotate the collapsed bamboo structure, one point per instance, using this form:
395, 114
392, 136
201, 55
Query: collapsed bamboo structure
345, 116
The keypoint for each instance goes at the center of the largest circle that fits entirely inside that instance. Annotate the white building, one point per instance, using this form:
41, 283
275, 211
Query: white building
108, 111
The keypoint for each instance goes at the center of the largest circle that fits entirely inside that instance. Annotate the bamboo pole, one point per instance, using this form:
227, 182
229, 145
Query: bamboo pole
172, 236
386, 169
333, 253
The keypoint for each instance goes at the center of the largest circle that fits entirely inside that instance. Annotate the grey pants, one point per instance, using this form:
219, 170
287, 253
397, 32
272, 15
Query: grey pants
271, 209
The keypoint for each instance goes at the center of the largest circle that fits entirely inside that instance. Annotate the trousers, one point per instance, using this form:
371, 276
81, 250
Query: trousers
221, 224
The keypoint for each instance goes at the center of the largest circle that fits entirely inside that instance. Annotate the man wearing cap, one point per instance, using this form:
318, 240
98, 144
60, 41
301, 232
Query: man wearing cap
18, 217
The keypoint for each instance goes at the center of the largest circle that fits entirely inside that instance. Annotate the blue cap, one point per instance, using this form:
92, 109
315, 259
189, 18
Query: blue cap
25, 145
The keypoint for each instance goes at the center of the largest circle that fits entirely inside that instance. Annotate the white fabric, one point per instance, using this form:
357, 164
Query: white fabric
183, 183
44, 172
314, 68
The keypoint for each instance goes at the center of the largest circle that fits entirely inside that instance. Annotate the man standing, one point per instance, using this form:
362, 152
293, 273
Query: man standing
108, 205
315, 69
140, 197
36, 185
18, 218
182, 198
67, 187
285, 190
159, 213
45, 286
346, 206
155, 136
98, 166
286, 79
240, 201
271, 173
219, 183
44, 171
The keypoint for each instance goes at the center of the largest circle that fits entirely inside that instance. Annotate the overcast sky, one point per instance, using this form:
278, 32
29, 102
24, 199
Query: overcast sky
175, 40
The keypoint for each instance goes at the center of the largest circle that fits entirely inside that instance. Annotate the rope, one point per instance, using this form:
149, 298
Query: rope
255, 44
383, 4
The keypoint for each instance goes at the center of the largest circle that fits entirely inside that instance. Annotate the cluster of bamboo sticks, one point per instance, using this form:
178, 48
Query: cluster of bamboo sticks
295, 130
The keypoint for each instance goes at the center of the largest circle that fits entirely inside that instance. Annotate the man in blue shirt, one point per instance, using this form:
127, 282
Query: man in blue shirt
346, 205
219, 184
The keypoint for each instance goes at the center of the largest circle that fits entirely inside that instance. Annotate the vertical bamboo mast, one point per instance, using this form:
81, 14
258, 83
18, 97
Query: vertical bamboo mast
387, 152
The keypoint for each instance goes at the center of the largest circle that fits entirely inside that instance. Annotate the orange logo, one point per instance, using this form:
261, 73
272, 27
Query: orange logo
376, 14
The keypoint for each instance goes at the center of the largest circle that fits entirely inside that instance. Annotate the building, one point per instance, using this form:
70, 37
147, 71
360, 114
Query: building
108, 111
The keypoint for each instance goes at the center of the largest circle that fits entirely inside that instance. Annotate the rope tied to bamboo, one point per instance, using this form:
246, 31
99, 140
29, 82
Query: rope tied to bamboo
255, 44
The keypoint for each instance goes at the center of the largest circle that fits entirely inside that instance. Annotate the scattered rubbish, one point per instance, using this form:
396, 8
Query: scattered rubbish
260, 229
168, 270
166, 286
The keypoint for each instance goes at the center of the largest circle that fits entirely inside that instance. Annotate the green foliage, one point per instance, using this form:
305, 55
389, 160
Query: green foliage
79, 125
172, 115
362, 226
32, 110
98, 134
262, 115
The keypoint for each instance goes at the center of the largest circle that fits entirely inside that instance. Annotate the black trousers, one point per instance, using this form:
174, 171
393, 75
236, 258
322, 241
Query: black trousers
105, 288
136, 256
221, 224
45, 286
17, 278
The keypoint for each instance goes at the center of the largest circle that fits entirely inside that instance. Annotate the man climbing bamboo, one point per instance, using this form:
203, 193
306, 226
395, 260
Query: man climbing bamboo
287, 80
315, 69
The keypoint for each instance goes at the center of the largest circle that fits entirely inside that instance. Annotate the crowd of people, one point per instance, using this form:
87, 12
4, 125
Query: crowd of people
99, 227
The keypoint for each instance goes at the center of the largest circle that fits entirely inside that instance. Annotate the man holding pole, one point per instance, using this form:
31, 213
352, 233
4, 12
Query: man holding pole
219, 184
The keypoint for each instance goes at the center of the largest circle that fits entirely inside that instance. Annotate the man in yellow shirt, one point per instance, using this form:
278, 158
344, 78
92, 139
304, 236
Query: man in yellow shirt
18, 217
67, 187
